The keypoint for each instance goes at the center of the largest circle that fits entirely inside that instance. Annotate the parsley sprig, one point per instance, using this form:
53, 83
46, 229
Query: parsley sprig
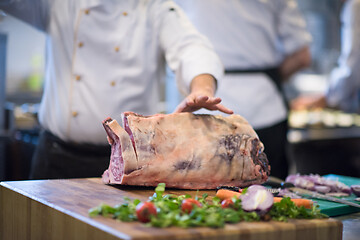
286, 209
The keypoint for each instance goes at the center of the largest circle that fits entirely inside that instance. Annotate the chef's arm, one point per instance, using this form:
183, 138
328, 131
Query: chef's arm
205, 83
202, 89
295, 62
192, 57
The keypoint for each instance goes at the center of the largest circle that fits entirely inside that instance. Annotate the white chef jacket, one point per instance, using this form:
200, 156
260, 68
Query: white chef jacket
250, 34
105, 57
344, 84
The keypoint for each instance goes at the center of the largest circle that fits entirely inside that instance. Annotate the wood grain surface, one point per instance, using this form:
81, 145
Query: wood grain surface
58, 209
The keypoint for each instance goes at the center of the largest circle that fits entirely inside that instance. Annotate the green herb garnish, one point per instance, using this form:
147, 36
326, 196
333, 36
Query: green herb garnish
286, 209
210, 214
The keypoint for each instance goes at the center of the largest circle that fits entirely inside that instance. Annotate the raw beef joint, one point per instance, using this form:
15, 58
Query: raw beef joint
184, 150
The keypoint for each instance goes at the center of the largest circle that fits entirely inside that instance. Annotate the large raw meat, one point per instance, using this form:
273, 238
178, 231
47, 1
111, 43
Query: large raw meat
184, 150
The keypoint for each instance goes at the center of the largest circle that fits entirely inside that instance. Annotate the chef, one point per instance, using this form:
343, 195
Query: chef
105, 57
343, 90
262, 44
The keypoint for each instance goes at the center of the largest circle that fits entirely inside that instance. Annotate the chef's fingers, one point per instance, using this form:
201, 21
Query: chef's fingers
220, 108
180, 108
224, 109
202, 101
205, 100
209, 103
198, 100
184, 106
212, 103
192, 104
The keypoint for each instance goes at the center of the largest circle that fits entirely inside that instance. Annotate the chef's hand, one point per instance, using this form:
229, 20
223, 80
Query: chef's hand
202, 96
308, 102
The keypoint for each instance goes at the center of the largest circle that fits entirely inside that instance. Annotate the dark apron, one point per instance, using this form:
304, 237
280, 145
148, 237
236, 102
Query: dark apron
55, 158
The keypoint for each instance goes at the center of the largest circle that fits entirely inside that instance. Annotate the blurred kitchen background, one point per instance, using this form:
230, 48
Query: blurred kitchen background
321, 141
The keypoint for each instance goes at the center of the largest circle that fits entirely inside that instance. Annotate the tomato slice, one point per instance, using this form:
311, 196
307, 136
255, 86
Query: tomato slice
188, 203
227, 203
144, 211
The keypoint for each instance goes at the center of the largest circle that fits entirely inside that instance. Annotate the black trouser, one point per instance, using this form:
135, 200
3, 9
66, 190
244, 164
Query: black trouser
275, 141
54, 158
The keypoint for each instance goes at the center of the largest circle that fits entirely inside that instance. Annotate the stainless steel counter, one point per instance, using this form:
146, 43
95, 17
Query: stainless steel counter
351, 226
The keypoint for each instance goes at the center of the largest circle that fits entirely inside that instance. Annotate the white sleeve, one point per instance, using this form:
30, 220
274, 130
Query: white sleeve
291, 26
187, 52
344, 84
34, 12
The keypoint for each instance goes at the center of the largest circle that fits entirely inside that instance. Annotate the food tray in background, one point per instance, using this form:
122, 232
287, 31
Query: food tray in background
323, 119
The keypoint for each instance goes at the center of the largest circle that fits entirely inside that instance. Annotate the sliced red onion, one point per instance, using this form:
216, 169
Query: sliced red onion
258, 199
337, 186
286, 193
355, 189
291, 178
315, 182
322, 189
300, 181
316, 179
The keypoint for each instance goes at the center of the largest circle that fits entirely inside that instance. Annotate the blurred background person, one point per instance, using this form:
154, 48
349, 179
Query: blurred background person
261, 44
343, 89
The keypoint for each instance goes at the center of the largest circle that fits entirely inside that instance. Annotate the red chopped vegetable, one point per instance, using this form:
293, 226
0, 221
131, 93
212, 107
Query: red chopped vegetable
144, 211
225, 194
227, 203
188, 204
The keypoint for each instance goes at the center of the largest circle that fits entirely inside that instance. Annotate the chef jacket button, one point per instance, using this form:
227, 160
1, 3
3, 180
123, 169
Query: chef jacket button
74, 114
87, 11
113, 83
78, 77
117, 49
125, 14
81, 44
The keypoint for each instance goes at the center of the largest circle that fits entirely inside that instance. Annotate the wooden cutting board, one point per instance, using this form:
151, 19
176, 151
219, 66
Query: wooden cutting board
58, 209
